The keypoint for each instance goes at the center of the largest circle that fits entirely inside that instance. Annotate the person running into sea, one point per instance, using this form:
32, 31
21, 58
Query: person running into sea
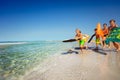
105, 33
79, 37
111, 29
98, 33
97, 40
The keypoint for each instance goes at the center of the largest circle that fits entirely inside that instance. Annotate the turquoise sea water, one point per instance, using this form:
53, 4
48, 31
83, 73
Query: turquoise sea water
16, 59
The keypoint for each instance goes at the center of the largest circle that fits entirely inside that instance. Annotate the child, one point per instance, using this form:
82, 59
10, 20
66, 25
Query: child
79, 37
105, 32
111, 38
99, 34
97, 39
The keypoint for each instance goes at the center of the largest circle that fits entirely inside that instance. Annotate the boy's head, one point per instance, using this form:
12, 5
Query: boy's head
112, 22
78, 31
104, 25
95, 30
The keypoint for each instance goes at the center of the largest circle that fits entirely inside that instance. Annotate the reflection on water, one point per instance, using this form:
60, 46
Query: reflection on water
109, 65
106, 67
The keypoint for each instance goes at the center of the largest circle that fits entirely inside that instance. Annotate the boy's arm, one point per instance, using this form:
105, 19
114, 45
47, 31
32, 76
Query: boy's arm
78, 38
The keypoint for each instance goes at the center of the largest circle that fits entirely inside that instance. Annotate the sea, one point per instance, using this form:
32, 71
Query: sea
20, 57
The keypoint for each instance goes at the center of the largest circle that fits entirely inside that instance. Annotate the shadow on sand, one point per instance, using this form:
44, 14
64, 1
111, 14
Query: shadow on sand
78, 48
100, 52
70, 52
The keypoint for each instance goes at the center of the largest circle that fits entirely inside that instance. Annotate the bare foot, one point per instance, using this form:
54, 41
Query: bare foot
118, 50
81, 51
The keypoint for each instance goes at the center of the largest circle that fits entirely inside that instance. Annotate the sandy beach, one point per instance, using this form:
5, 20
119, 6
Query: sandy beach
33, 61
88, 66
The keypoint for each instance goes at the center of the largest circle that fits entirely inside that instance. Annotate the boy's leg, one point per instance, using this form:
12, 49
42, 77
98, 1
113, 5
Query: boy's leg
96, 46
119, 47
81, 48
82, 42
103, 43
97, 43
116, 45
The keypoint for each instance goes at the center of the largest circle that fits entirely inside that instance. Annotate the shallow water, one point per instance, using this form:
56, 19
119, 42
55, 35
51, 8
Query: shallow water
17, 59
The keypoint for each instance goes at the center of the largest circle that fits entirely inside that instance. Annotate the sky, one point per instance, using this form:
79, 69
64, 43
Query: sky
31, 20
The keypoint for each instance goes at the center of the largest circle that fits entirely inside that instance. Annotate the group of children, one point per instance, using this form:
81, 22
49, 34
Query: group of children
101, 36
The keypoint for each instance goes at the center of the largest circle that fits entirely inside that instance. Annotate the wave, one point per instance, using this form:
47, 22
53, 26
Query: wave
11, 43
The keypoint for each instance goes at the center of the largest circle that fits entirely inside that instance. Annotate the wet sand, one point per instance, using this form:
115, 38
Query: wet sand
88, 66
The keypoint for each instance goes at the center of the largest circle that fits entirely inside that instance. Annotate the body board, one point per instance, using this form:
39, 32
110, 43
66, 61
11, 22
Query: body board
114, 35
69, 40
91, 38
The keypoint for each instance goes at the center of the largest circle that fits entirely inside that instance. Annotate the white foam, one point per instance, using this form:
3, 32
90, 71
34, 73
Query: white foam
12, 43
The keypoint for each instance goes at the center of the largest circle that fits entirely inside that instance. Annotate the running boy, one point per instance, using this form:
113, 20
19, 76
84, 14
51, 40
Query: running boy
79, 37
105, 33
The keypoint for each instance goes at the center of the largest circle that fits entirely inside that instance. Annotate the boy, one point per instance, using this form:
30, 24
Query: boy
79, 37
97, 41
105, 33
110, 28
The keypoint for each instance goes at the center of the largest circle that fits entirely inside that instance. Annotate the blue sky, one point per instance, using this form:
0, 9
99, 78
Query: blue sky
53, 19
